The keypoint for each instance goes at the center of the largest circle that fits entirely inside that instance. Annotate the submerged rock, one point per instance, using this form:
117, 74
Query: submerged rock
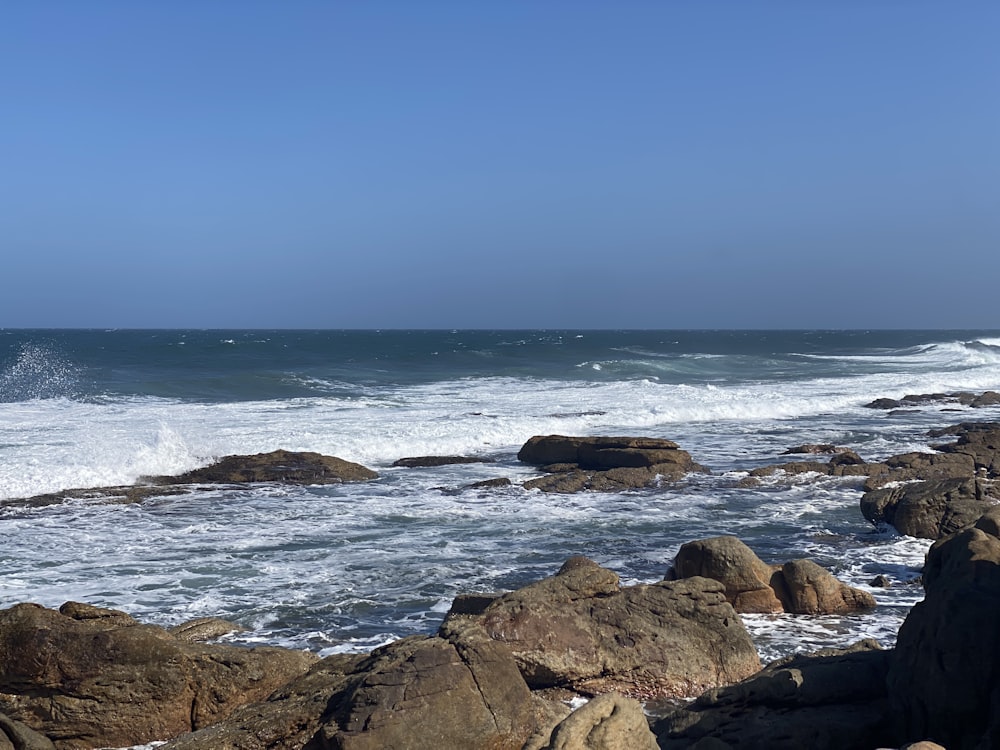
431, 461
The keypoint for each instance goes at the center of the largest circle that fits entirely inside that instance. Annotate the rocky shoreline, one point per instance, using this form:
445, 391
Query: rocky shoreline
504, 670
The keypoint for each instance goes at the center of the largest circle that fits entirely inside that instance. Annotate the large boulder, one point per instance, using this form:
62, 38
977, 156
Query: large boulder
458, 689
604, 464
287, 720
87, 677
830, 700
581, 630
751, 585
288, 467
930, 509
944, 679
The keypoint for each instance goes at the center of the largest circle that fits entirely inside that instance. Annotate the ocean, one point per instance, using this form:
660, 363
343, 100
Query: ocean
345, 568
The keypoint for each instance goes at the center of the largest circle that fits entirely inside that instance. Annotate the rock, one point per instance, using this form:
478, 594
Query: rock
486, 484
989, 398
552, 449
604, 464
204, 629
288, 720
428, 461
579, 629
981, 443
459, 690
277, 466
607, 722
17, 736
834, 699
746, 578
89, 679
751, 585
943, 674
812, 590
813, 448
931, 509
881, 581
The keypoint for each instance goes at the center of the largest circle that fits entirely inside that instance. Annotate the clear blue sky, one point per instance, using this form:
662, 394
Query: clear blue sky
500, 164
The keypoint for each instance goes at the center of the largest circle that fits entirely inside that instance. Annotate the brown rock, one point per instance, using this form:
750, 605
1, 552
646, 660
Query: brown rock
459, 690
277, 466
831, 700
751, 585
553, 449
747, 578
288, 720
204, 629
812, 590
95, 682
581, 630
931, 509
608, 722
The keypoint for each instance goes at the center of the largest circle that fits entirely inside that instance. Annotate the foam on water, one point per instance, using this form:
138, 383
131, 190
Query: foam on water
345, 568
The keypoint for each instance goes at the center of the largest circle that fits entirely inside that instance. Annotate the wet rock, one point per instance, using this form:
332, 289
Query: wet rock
604, 464
204, 629
283, 466
92, 678
580, 629
830, 700
813, 448
486, 484
881, 581
751, 585
931, 509
429, 461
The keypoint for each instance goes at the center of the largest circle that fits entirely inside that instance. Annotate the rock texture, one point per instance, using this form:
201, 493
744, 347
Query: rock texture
751, 585
87, 677
932, 509
830, 700
608, 722
456, 690
581, 630
288, 467
604, 464
944, 680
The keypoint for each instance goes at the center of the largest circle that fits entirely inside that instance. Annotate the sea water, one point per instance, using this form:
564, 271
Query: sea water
348, 567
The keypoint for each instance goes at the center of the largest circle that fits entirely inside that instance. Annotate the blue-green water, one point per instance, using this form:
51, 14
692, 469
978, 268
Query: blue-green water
340, 568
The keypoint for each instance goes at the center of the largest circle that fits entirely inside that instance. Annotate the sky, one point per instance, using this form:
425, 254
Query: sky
514, 164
